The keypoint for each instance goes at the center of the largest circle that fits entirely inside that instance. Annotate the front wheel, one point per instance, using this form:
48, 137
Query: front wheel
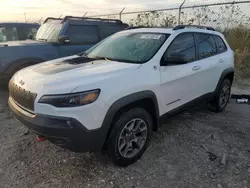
222, 96
130, 137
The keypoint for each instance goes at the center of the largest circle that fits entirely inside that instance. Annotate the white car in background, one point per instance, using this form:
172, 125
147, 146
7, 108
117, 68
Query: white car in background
114, 95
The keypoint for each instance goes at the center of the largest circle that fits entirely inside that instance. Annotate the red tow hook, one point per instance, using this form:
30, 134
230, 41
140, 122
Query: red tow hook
40, 138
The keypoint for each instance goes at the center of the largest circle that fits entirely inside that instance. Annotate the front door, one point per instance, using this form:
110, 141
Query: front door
180, 72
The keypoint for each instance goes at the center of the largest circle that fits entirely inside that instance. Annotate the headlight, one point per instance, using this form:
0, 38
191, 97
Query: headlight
71, 100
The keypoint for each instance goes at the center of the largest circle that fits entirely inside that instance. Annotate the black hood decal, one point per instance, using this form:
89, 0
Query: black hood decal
66, 65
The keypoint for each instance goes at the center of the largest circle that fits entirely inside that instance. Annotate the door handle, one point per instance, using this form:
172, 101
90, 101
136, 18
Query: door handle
221, 61
195, 68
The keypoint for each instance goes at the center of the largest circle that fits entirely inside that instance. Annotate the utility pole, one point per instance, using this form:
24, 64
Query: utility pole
179, 19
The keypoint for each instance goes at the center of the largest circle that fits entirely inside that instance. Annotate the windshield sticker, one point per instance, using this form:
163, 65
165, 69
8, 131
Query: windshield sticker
154, 37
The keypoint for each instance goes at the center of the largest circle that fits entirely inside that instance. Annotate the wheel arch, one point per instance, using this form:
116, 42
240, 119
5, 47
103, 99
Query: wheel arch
144, 99
226, 74
14, 65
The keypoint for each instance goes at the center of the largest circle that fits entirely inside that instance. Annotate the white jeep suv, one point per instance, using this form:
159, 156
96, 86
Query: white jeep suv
113, 95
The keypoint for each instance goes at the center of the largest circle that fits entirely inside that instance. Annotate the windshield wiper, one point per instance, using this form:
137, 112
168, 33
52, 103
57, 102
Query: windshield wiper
103, 58
83, 54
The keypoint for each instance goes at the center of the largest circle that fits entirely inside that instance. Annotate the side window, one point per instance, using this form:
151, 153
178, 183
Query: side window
109, 30
8, 34
23, 33
181, 50
34, 31
206, 45
83, 34
220, 44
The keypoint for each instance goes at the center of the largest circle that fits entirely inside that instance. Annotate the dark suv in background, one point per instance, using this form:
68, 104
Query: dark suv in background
57, 37
17, 31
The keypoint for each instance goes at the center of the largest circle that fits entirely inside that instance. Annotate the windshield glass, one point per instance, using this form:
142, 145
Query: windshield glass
128, 47
49, 31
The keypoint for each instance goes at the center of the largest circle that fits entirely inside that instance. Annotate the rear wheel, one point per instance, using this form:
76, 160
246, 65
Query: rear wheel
222, 97
130, 137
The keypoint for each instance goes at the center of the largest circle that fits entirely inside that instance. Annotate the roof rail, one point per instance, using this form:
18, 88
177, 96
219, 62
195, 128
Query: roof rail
133, 27
91, 19
192, 26
51, 18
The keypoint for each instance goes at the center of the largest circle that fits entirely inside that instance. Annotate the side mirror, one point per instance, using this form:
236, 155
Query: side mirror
64, 39
174, 59
30, 37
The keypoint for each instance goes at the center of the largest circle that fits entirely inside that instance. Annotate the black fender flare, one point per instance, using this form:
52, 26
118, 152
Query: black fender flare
122, 102
13, 66
223, 76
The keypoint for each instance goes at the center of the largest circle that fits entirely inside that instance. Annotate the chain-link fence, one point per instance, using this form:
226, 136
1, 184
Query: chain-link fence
231, 18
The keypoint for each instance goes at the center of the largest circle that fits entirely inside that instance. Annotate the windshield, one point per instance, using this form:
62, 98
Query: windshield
49, 31
128, 47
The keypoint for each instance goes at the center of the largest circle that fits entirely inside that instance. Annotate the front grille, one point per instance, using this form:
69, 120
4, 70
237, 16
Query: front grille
21, 96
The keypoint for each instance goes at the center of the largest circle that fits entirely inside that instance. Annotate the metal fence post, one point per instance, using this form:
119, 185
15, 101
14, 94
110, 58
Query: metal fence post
120, 14
85, 14
179, 18
25, 16
40, 21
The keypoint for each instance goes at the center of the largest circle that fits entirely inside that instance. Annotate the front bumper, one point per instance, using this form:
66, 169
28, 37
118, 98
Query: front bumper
67, 133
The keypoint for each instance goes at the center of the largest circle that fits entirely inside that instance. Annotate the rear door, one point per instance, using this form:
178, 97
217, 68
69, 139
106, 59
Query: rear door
225, 58
209, 60
81, 38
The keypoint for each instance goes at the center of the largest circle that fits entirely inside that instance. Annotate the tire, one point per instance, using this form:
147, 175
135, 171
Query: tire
126, 131
222, 97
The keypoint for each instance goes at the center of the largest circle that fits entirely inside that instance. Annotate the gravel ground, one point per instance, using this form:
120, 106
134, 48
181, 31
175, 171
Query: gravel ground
185, 153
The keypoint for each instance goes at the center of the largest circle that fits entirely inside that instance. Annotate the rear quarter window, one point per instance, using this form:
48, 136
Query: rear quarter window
221, 46
206, 45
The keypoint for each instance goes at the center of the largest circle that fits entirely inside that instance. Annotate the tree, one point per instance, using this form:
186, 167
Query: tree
154, 19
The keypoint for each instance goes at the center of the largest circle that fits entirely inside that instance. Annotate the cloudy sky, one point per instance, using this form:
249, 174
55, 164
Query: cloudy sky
12, 10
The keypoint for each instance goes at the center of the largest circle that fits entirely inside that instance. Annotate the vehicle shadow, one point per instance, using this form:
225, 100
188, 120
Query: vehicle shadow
4, 95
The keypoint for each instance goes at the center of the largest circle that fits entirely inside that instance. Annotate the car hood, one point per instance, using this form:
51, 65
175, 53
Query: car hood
22, 43
65, 74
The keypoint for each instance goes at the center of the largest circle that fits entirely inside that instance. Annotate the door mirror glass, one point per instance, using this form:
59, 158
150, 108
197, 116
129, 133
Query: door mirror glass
63, 39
